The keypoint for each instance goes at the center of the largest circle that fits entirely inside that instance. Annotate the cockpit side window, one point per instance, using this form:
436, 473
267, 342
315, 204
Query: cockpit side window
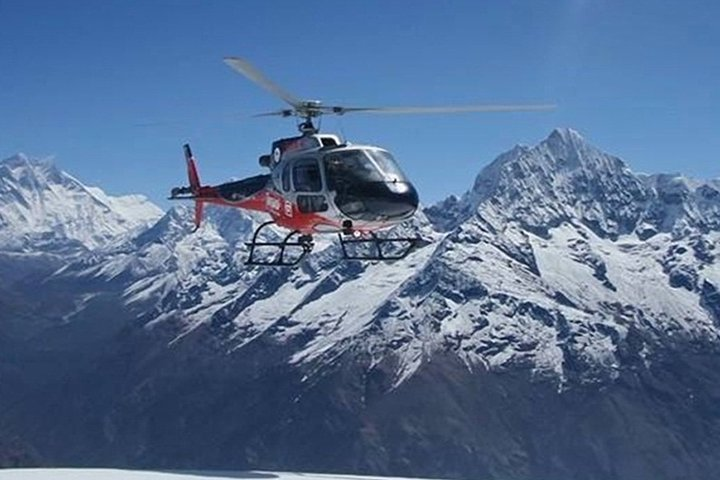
306, 175
286, 178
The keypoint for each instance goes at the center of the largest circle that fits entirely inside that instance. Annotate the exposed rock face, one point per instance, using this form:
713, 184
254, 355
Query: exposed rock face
563, 323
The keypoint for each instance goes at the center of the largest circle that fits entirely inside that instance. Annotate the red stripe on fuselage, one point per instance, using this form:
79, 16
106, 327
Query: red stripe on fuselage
286, 213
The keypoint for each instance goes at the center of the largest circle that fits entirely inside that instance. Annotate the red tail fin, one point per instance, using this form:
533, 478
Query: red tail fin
193, 176
194, 180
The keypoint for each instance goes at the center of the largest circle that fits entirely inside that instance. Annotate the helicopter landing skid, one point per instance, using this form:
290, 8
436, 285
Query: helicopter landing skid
303, 242
374, 244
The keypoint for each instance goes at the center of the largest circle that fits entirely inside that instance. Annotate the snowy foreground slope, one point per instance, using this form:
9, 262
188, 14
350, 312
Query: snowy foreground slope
564, 322
110, 474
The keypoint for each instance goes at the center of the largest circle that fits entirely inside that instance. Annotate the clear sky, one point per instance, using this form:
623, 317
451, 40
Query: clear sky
78, 79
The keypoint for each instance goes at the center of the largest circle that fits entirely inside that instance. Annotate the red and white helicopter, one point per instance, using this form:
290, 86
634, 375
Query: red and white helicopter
320, 184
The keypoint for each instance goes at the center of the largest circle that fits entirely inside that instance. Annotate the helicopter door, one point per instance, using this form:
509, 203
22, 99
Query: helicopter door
308, 186
286, 178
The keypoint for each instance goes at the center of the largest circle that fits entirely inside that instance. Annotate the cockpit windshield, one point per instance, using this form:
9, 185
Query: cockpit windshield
357, 166
387, 164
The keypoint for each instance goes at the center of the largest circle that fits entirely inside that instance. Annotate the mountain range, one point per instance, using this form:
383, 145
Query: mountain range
562, 322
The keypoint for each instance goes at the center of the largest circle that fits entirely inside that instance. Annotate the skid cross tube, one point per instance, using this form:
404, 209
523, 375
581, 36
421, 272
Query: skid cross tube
303, 242
410, 244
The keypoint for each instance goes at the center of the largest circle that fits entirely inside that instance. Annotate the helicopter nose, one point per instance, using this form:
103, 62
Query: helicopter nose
390, 200
378, 201
401, 200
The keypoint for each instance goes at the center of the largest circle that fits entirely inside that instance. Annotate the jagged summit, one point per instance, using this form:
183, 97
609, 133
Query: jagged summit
37, 172
23, 162
565, 178
566, 135
17, 159
21, 159
563, 153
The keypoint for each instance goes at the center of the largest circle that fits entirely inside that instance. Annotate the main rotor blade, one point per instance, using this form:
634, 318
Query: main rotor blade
277, 113
445, 109
243, 67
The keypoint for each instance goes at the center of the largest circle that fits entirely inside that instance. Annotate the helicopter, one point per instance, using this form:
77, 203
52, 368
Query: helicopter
320, 184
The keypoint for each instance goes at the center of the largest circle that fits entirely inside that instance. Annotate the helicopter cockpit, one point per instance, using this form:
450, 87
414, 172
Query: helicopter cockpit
364, 183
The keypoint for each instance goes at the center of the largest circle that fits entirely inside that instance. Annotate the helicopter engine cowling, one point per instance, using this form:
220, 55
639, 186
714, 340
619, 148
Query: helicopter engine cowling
265, 161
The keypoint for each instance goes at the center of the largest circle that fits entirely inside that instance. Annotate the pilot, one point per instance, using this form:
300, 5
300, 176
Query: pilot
308, 179
335, 169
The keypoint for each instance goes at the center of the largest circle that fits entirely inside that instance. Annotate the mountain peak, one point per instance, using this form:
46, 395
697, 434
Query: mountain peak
563, 177
564, 153
574, 150
17, 159
35, 173
567, 135
21, 160
42, 208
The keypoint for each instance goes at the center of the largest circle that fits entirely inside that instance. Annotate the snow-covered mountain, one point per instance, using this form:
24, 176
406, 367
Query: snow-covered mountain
563, 322
44, 208
555, 248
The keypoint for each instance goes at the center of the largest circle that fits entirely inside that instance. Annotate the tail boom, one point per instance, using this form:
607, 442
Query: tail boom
240, 194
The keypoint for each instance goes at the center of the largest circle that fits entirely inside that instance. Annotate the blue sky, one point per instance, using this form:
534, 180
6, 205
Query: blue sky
78, 79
